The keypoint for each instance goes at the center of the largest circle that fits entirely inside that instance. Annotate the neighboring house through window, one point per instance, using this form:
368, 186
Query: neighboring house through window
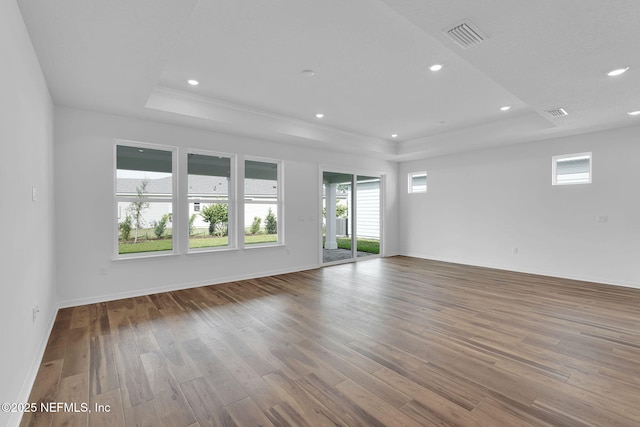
262, 202
211, 196
145, 198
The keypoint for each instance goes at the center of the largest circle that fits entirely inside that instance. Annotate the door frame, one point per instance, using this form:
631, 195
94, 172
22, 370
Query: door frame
354, 223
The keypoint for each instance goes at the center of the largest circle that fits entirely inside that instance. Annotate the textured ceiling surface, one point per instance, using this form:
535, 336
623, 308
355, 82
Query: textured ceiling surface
370, 60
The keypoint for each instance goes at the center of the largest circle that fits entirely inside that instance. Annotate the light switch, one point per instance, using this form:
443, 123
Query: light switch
34, 193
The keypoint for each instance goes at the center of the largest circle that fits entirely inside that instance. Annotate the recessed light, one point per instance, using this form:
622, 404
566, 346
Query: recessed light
436, 67
141, 150
308, 73
319, 115
505, 108
617, 72
634, 113
193, 82
394, 135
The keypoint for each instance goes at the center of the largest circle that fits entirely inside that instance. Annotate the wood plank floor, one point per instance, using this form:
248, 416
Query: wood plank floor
391, 341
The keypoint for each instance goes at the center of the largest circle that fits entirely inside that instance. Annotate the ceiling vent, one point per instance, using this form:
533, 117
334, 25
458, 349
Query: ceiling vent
465, 35
557, 112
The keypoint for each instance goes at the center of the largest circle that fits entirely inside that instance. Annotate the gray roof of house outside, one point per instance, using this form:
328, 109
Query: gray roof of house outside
198, 186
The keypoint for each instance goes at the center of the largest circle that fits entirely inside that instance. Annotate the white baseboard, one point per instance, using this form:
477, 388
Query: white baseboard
27, 385
179, 286
541, 272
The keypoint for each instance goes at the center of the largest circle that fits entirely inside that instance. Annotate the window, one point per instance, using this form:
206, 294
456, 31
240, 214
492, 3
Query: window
145, 198
417, 182
571, 169
262, 202
210, 201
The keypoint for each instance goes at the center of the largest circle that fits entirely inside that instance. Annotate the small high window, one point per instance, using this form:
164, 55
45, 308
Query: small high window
417, 182
571, 169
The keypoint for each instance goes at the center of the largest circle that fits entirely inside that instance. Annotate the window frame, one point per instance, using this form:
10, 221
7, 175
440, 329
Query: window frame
410, 176
232, 240
576, 156
279, 204
175, 217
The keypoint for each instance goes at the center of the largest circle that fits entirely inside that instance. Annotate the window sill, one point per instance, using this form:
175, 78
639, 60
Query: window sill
155, 255
152, 255
210, 250
564, 184
264, 245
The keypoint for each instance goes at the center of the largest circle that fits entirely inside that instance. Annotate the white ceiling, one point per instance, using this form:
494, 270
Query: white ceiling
371, 61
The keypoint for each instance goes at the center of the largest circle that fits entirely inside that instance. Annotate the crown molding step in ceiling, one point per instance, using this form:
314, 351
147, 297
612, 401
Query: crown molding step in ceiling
267, 69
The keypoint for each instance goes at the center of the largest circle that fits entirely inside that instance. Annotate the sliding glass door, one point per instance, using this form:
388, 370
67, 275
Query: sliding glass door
351, 216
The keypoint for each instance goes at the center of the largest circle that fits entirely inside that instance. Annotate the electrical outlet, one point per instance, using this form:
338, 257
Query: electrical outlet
34, 193
36, 310
102, 271
602, 219
515, 251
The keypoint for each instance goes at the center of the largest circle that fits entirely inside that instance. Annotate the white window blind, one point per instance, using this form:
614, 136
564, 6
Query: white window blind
572, 169
417, 182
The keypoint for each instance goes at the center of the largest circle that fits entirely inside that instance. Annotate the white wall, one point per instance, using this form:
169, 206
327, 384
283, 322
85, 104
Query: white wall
480, 205
26, 254
84, 174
